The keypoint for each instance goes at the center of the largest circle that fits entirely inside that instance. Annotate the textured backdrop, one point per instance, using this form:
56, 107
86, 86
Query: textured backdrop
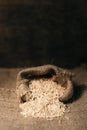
35, 32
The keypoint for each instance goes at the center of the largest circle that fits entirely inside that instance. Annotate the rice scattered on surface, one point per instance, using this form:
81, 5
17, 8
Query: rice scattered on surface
43, 100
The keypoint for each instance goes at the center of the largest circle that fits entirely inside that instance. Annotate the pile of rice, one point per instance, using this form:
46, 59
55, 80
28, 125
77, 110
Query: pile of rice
43, 100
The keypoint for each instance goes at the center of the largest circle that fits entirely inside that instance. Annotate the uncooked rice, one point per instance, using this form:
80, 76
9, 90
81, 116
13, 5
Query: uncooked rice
43, 100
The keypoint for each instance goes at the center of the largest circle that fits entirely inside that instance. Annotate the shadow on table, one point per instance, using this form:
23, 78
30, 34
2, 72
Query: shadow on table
78, 92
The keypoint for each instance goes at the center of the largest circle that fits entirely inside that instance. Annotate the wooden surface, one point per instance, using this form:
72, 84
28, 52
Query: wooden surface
10, 118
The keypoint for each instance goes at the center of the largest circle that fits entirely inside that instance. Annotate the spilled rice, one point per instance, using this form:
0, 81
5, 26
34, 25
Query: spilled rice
43, 100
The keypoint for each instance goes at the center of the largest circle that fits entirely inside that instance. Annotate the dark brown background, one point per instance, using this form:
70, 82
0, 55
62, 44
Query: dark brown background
36, 32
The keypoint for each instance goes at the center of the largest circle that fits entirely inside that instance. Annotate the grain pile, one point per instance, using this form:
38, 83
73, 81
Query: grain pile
43, 100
